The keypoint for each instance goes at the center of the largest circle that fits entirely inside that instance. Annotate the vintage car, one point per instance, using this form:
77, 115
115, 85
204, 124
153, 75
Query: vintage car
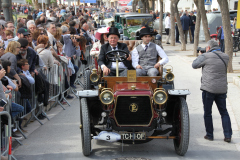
132, 109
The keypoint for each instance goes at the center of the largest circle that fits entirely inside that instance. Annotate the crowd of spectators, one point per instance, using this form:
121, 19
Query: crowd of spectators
37, 43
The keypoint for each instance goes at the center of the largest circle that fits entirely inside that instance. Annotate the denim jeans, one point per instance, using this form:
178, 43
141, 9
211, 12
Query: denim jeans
73, 77
28, 106
220, 100
192, 31
16, 109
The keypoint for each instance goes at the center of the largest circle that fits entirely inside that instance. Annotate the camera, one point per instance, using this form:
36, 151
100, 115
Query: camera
202, 50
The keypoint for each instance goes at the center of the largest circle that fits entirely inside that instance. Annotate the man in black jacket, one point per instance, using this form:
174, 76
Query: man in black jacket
192, 24
28, 53
107, 66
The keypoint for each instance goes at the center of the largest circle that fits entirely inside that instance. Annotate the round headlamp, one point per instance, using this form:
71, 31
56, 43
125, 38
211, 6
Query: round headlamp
94, 77
169, 76
160, 97
106, 97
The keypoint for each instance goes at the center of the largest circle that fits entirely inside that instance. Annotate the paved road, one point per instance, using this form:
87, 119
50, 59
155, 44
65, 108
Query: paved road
59, 139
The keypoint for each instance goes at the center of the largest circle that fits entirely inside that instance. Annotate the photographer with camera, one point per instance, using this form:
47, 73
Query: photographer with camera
214, 87
72, 50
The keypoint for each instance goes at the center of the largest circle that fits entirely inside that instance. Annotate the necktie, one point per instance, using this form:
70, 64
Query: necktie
146, 47
114, 48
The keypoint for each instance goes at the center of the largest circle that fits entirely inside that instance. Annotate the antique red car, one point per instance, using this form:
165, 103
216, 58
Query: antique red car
131, 107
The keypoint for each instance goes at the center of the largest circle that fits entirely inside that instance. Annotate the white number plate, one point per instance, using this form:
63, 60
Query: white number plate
135, 136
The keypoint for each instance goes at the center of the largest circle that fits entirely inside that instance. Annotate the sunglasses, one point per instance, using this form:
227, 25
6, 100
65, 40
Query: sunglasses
23, 47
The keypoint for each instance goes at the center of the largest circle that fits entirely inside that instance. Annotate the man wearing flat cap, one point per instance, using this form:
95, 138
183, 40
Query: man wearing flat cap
214, 87
144, 56
108, 67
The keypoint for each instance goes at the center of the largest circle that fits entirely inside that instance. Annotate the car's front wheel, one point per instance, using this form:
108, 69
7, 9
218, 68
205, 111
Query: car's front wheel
181, 127
85, 127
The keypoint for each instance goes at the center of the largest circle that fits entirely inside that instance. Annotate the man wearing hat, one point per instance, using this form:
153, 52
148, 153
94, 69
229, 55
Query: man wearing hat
144, 56
107, 66
21, 33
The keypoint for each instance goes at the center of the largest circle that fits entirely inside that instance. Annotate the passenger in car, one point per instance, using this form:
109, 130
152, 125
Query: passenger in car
108, 67
144, 56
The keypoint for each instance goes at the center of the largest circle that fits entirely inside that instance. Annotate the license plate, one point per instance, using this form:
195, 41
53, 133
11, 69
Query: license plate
135, 136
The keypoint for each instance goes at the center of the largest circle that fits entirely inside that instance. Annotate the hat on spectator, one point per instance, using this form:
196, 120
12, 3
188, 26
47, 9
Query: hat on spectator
113, 31
212, 43
101, 31
23, 42
145, 30
24, 31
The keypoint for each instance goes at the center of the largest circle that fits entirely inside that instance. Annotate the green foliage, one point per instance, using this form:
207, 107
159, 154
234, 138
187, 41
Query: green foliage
29, 1
52, 1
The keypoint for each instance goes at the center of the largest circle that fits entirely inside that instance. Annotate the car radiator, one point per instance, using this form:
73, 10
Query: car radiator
133, 110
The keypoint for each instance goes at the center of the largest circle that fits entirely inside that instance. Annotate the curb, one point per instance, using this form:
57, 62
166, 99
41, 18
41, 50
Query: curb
236, 81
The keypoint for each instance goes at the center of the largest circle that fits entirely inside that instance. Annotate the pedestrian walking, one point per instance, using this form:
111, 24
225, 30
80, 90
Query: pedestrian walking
214, 87
185, 21
176, 28
192, 24
168, 27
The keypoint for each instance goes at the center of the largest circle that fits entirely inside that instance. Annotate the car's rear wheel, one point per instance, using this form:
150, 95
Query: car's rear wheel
87, 81
85, 127
181, 127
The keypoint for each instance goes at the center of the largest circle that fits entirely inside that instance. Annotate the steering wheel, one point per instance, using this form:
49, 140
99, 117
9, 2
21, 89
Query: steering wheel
119, 55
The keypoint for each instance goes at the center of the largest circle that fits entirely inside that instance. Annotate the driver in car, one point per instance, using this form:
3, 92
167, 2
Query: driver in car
144, 56
108, 67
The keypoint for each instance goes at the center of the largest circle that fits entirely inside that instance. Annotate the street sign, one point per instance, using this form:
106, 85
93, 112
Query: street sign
208, 2
238, 17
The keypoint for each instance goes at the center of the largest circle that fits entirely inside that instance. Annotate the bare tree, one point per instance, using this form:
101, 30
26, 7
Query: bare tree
134, 4
145, 5
172, 17
197, 29
228, 40
201, 7
180, 29
161, 18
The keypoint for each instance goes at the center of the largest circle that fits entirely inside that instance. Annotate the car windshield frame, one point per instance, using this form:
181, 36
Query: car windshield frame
134, 19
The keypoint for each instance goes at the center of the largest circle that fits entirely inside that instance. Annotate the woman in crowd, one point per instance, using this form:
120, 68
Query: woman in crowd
45, 54
101, 35
1, 49
10, 54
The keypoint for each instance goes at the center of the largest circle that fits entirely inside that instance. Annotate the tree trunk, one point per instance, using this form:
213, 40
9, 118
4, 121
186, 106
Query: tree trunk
134, 6
36, 6
180, 29
144, 6
147, 6
172, 18
197, 29
10, 11
161, 19
228, 40
204, 20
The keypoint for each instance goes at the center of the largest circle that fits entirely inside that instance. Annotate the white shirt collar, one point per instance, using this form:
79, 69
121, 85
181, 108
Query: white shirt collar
143, 45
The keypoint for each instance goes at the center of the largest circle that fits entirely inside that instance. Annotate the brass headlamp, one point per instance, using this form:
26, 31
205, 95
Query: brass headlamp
94, 76
106, 97
160, 96
169, 76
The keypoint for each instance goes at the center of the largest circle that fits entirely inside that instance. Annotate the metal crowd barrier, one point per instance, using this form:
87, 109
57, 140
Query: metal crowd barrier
6, 138
55, 76
90, 64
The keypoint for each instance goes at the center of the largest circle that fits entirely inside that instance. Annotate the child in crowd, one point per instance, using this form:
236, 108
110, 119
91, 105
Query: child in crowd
24, 66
